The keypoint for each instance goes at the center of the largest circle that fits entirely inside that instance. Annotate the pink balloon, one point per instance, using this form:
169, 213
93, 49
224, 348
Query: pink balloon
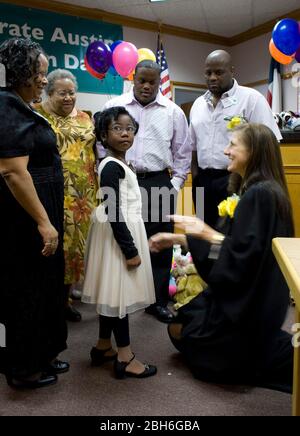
125, 57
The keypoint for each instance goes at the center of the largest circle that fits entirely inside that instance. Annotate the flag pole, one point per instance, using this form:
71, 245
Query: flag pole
159, 40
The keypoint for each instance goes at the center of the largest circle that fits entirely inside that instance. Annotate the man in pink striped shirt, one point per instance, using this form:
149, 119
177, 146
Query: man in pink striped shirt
161, 155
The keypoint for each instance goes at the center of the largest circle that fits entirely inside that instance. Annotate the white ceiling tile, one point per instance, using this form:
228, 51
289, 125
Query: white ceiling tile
220, 17
223, 7
263, 12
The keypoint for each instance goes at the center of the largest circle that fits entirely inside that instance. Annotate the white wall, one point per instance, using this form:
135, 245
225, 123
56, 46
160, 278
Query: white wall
186, 59
252, 62
289, 93
91, 102
251, 59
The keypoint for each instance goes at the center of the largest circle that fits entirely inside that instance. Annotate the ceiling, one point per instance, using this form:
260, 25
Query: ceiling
225, 18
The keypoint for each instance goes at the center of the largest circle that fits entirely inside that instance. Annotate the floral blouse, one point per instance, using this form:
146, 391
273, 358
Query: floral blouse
75, 140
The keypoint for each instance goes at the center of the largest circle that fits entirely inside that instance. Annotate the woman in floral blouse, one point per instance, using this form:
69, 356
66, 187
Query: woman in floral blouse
75, 138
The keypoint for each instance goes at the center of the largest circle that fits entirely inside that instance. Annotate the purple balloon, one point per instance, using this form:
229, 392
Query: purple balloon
99, 56
297, 55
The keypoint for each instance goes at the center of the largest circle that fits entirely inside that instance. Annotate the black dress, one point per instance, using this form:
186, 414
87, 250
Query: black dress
232, 331
31, 285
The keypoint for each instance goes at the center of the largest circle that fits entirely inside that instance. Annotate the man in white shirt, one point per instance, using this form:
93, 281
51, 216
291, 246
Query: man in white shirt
161, 147
209, 132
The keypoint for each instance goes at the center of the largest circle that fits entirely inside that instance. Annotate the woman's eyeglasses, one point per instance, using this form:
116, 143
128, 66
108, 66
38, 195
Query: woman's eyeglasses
63, 94
119, 129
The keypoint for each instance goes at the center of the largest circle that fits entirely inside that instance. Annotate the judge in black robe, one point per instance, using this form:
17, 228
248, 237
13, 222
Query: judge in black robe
231, 332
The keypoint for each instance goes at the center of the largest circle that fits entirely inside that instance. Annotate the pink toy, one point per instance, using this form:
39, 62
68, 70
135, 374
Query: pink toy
172, 287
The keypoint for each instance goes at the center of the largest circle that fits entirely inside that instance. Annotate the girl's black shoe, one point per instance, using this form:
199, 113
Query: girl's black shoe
120, 370
98, 356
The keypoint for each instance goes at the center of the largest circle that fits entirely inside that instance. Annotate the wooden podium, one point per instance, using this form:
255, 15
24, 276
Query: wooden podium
287, 253
290, 152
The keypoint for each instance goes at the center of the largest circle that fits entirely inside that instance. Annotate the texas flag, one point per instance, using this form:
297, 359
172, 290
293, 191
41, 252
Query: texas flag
274, 95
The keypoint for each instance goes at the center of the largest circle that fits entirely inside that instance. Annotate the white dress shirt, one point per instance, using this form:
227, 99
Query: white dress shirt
208, 129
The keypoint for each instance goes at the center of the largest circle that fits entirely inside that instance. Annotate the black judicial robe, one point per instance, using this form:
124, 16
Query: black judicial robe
31, 285
232, 331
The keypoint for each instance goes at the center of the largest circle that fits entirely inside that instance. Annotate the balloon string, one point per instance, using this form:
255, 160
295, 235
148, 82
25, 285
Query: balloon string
106, 88
298, 95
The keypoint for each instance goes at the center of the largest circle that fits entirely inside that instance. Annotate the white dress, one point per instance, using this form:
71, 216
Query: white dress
108, 284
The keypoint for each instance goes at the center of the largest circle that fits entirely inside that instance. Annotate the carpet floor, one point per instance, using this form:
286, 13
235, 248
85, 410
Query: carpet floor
92, 391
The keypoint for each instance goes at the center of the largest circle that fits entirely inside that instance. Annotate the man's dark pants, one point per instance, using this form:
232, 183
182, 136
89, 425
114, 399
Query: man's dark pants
155, 209
215, 183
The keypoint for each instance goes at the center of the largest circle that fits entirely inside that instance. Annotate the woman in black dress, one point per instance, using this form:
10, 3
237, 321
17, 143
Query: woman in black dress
31, 223
232, 331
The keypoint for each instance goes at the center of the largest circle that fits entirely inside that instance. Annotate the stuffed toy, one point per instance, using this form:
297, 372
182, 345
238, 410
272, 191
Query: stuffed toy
288, 120
188, 282
286, 117
172, 286
278, 120
295, 124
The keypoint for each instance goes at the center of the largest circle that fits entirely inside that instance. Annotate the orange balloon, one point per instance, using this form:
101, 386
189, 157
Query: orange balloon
130, 77
278, 55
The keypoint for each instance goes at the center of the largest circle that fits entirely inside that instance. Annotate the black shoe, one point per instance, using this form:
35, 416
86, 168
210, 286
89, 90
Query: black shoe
163, 314
72, 314
44, 380
120, 370
98, 356
58, 367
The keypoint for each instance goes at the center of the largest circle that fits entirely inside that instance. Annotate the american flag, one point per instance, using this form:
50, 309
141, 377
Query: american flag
165, 85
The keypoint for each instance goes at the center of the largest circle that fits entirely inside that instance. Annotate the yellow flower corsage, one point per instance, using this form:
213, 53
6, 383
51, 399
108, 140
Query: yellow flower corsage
227, 207
234, 121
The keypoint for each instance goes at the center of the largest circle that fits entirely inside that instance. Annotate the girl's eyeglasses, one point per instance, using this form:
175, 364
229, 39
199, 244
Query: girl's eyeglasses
119, 129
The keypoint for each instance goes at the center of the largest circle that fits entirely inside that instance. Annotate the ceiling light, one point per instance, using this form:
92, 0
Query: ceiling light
154, 1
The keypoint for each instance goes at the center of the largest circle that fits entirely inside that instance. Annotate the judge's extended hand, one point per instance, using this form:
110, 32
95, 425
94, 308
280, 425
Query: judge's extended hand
196, 228
161, 241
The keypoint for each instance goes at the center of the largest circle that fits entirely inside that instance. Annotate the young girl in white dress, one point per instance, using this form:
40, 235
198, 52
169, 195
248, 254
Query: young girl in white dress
118, 274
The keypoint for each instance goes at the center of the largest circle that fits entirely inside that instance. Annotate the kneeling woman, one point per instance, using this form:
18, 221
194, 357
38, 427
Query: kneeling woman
232, 331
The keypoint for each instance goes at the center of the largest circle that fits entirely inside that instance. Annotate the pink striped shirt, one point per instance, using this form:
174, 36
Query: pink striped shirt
163, 138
